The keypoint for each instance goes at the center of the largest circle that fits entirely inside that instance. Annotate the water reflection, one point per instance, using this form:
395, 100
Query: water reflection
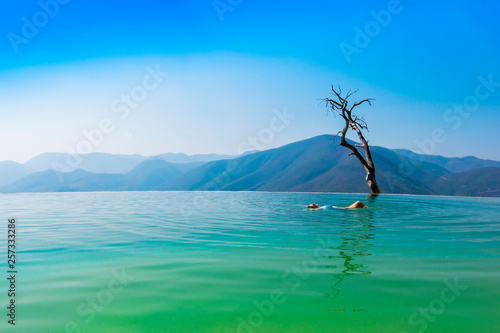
357, 231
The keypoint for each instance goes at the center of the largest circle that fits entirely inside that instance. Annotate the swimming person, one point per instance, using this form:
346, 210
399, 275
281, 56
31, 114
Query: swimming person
357, 204
314, 206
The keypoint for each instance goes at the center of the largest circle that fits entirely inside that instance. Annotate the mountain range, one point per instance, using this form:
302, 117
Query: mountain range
314, 165
453, 164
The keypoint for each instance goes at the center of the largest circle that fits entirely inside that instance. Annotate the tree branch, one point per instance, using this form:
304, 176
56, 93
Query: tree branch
361, 102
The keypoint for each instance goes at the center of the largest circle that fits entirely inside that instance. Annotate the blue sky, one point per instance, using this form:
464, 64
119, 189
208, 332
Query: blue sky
231, 69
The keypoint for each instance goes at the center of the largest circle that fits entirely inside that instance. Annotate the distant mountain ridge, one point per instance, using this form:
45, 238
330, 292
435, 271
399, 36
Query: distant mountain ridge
453, 164
313, 165
12, 171
93, 162
143, 177
183, 158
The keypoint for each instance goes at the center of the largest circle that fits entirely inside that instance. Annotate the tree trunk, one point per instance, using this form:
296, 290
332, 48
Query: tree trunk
367, 163
371, 180
372, 183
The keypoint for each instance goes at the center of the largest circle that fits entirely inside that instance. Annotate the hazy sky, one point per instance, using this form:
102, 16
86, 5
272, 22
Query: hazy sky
86, 76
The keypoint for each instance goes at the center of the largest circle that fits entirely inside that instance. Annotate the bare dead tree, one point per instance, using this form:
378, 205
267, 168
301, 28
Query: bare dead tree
339, 105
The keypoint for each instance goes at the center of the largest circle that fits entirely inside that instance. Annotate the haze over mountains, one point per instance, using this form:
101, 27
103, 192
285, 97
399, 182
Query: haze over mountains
109, 163
313, 165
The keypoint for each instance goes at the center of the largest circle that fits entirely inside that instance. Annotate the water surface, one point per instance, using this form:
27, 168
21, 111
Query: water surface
253, 262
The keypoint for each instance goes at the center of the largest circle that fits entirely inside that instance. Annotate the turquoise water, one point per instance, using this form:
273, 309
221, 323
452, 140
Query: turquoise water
252, 262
